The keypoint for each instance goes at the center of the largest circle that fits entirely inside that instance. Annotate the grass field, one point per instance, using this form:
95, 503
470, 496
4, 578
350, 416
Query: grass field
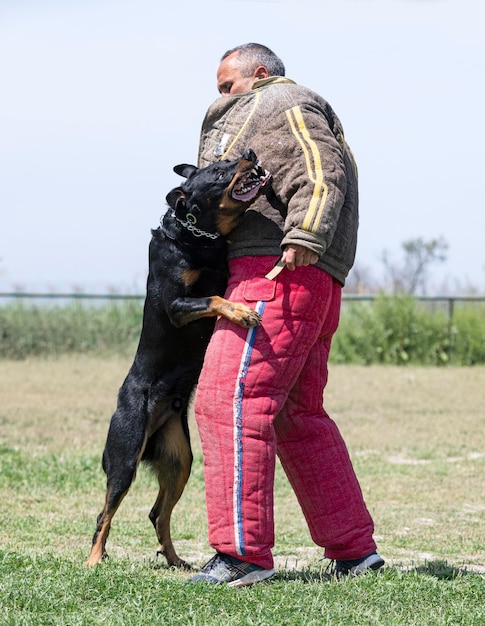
417, 438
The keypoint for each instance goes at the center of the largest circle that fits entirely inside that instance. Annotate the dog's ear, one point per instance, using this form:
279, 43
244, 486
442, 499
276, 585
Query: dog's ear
185, 170
175, 197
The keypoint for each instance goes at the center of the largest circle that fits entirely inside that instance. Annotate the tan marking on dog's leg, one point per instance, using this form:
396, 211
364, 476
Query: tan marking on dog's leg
235, 312
173, 472
103, 525
98, 549
189, 277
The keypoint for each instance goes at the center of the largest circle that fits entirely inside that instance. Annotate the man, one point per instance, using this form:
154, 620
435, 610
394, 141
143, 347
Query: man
261, 391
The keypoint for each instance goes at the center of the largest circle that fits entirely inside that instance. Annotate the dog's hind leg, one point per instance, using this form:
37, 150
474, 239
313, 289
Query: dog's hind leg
122, 454
172, 466
98, 551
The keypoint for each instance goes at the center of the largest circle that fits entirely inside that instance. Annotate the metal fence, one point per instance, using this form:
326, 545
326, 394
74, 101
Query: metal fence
448, 303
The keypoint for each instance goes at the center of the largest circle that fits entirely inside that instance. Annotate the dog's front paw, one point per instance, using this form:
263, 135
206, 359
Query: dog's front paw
246, 317
251, 319
237, 312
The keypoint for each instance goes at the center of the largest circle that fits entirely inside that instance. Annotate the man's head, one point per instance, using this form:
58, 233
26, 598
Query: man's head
241, 66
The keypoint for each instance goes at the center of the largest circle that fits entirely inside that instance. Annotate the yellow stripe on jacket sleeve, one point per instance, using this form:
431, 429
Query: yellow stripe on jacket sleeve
314, 214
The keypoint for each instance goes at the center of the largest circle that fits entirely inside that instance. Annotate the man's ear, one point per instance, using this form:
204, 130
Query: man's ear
261, 72
185, 170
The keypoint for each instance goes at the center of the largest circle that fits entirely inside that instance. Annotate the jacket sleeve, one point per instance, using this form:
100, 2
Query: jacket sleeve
313, 183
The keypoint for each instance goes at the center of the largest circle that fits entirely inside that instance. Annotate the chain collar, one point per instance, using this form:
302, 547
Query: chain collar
190, 225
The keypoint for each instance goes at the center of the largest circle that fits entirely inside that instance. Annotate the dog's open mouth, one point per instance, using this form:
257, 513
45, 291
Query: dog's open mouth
250, 184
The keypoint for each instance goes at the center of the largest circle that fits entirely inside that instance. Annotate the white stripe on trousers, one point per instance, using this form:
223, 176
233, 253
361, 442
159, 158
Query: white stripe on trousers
237, 429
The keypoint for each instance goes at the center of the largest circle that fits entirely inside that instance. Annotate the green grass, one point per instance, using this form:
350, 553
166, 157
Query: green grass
51, 590
417, 439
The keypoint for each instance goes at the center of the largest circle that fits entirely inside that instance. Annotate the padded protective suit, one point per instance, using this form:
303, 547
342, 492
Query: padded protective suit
266, 399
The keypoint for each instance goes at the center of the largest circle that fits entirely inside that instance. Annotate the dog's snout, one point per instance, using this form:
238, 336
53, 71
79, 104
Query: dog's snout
249, 155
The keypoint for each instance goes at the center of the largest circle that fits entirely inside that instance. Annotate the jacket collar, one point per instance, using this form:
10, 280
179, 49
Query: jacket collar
272, 80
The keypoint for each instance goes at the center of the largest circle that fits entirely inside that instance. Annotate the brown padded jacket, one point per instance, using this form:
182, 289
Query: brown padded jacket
299, 139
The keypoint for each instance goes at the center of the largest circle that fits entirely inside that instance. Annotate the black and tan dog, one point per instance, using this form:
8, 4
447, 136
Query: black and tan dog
187, 275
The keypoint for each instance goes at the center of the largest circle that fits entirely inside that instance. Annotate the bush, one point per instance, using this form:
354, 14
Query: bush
28, 330
389, 330
400, 329
469, 336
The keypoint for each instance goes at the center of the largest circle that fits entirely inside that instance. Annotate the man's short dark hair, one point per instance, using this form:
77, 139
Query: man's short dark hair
253, 54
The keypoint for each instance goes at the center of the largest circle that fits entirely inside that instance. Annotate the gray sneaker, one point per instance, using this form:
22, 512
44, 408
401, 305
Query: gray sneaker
227, 569
341, 569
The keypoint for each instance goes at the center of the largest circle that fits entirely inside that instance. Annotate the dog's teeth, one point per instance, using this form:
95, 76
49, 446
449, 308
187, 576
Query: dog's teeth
246, 188
257, 172
253, 179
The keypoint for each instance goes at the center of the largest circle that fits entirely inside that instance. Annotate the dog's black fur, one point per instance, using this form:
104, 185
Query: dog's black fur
186, 278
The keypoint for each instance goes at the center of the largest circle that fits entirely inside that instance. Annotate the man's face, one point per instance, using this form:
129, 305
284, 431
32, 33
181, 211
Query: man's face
229, 78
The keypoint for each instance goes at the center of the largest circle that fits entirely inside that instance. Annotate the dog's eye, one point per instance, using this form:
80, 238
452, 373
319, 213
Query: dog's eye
219, 173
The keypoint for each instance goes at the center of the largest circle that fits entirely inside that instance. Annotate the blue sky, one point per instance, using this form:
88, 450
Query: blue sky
100, 99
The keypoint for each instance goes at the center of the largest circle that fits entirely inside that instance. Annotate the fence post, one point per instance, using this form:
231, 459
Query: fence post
451, 310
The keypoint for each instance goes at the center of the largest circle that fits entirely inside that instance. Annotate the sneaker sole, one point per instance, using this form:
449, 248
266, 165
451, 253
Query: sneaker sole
372, 563
251, 578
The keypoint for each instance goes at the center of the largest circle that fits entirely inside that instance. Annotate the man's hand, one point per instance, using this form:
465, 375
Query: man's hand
295, 256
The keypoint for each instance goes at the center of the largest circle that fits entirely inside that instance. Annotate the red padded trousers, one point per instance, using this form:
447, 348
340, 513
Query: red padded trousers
260, 394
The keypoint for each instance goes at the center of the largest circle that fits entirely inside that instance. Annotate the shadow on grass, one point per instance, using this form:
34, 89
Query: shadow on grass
306, 574
441, 570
